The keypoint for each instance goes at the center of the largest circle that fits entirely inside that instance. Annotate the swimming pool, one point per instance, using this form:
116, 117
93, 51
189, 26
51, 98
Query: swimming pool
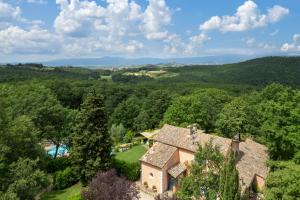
62, 150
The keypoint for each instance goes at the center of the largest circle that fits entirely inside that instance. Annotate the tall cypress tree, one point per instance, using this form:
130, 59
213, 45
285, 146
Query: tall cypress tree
91, 141
229, 188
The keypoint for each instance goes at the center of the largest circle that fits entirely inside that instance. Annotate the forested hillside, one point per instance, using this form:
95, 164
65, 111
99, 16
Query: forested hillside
21, 72
95, 111
258, 72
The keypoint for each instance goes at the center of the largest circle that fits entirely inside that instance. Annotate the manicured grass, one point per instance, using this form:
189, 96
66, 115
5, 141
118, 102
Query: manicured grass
71, 193
132, 155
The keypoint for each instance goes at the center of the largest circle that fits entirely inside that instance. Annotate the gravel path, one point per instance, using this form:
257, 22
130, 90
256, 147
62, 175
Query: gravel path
145, 196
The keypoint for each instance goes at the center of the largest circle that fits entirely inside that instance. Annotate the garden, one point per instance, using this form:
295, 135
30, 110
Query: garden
126, 163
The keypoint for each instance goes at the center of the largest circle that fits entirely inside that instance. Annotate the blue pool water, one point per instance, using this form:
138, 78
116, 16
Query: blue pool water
62, 150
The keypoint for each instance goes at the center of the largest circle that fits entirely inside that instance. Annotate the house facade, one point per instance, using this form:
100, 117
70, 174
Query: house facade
174, 149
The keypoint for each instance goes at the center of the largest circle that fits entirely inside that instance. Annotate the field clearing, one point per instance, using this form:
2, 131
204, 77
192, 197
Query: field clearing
105, 77
132, 155
71, 193
152, 74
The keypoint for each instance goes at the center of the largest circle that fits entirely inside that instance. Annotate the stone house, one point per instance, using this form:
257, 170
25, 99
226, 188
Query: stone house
174, 149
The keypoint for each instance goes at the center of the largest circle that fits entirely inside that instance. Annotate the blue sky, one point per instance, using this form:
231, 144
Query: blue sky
39, 30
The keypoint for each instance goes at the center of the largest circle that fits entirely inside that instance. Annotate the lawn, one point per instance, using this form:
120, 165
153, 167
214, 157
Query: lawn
132, 155
71, 193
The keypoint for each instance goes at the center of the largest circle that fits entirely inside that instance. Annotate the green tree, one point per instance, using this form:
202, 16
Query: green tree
202, 182
126, 112
279, 115
154, 107
91, 141
229, 188
8, 196
239, 116
23, 141
25, 99
142, 121
181, 112
18, 139
26, 179
202, 108
283, 181
4, 148
55, 124
69, 94
232, 118
117, 133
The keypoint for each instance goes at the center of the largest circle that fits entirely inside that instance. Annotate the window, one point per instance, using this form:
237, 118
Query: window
151, 175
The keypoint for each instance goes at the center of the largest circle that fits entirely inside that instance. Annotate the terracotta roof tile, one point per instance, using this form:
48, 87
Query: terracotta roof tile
181, 138
176, 170
251, 162
150, 135
159, 154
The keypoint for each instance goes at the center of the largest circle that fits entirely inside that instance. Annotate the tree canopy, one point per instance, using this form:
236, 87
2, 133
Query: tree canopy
202, 108
202, 182
91, 141
107, 185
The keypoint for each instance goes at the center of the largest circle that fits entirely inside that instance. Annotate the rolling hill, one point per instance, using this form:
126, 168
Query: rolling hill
256, 72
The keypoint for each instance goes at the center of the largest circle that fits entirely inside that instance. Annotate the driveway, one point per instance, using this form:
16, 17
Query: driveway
145, 196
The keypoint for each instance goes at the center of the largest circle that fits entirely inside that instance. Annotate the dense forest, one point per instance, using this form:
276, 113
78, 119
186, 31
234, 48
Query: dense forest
93, 110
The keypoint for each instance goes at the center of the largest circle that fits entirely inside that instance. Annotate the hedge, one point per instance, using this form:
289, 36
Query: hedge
130, 170
57, 164
64, 179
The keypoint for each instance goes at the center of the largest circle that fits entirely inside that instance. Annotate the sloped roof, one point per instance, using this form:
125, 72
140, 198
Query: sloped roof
251, 162
252, 158
181, 138
176, 170
159, 154
150, 135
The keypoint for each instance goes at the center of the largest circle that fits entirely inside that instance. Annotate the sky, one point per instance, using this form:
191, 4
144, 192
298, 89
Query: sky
41, 30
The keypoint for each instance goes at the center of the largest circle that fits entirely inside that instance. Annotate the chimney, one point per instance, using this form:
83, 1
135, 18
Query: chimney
193, 131
235, 144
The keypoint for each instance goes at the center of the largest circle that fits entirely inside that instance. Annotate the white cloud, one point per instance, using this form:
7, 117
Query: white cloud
155, 18
276, 13
195, 43
250, 42
85, 28
267, 46
292, 47
296, 37
35, 41
247, 16
253, 44
274, 33
77, 18
119, 18
175, 46
8, 14
37, 1
288, 47
112, 28
93, 46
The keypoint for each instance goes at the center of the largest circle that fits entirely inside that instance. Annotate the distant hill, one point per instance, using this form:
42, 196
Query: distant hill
123, 62
22, 72
256, 72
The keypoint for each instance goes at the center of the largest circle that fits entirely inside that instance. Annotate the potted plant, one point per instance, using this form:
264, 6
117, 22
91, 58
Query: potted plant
146, 184
154, 189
